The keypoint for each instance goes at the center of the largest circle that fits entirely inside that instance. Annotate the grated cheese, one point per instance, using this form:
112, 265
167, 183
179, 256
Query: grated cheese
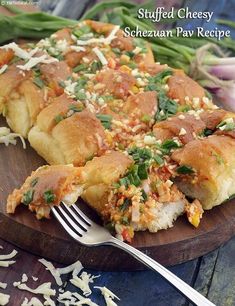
6, 263
108, 295
3, 285
182, 132
105, 40
4, 299
7, 137
8, 256
56, 273
3, 69
33, 302
33, 61
77, 48
44, 289
100, 56
24, 278
17, 50
83, 281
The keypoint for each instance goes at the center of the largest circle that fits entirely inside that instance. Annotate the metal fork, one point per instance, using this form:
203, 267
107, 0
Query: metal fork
88, 233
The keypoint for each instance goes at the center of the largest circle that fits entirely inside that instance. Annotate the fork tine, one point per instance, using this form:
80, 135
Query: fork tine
76, 217
81, 214
71, 222
65, 225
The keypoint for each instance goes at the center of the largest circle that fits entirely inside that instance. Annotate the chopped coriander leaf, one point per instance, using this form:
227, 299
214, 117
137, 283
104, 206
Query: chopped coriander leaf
131, 54
125, 205
75, 108
34, 182
132, 65
183, 108
49, 196
161, 77
125, 220
158, 159
207, 132
166, 107
105, 120
80, 84
39, 82
116, 51
140, 155
62, 84
152, 87
81, 96
107, 98
95, 66
81, 31
80, 68
28, 197
14, 60
168, 145
185, 170
59, 118
142, 171
144, 195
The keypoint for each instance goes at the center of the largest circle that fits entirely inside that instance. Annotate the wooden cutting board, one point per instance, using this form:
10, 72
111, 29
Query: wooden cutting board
46, 238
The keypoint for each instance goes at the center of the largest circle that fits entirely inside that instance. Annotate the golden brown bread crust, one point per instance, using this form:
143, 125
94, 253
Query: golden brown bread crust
213, 159
144, 103
56, 181
73, 140
181, 86
172, 127
59, 106
115, 82
98, 176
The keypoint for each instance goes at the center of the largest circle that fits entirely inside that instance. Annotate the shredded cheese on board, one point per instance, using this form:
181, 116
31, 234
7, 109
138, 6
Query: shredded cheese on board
7, 137
36, 60
108, 295
83, 282
8, 256
4, 299
44, 289
33, 302
3, 285
6, 263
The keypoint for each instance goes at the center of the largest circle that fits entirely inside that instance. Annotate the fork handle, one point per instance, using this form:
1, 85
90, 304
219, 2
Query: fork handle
190, 293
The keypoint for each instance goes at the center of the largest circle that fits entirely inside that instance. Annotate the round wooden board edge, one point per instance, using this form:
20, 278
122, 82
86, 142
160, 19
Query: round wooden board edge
179, 252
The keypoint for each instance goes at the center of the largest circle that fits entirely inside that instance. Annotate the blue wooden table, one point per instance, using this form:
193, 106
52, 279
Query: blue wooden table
213, 274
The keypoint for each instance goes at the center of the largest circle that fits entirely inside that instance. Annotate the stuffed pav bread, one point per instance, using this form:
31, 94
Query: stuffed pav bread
47, 187
208, 171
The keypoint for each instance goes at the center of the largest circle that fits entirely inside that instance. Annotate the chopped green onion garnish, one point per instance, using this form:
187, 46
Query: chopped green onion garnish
28, 197
49, 196
185, 170
59, 118
105, 120
34, 182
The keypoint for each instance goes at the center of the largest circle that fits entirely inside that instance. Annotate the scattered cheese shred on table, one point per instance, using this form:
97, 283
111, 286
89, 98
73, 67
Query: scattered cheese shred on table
57, 272
7, 137
3, 285
6, 263
33, 302
108, 295
8, 256
83, 281
4, 299
44, 289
